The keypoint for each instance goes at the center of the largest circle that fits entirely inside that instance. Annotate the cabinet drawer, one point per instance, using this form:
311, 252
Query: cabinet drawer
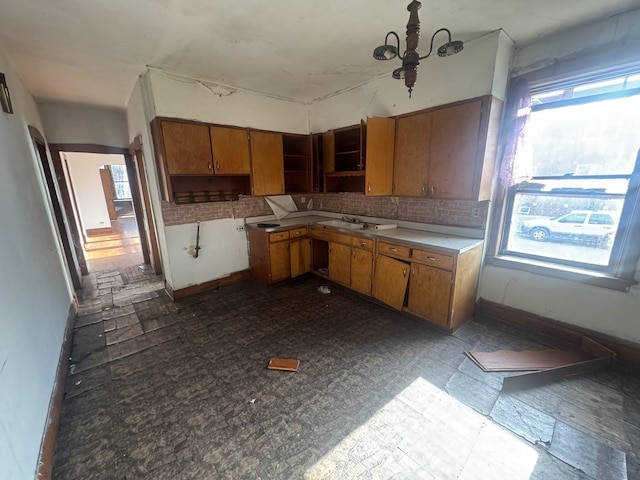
277, 236
364, 243
431, 258
298, 232
318, 232
393, 250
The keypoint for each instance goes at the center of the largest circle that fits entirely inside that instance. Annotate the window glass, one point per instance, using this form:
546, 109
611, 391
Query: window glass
580, 156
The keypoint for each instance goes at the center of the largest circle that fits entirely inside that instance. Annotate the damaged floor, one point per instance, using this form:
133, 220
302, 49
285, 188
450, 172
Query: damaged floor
165, 390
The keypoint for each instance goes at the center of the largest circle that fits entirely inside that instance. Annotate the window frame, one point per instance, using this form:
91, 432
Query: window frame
625, 251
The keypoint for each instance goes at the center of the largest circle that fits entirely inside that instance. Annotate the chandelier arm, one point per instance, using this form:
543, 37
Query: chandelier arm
433, 37
397, 43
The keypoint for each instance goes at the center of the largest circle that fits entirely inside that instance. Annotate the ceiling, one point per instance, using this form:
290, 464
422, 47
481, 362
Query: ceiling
92, 51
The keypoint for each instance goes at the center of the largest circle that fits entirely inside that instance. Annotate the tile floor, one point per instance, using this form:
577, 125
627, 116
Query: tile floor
164, 390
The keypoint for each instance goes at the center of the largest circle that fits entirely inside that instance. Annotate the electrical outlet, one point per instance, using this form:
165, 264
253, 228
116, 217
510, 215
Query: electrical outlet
475, 212
303, 200
240, 228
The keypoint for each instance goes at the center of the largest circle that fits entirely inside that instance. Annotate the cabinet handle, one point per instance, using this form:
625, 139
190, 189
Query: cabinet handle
209, 166
433, 259
423, 189
404, 272
362, 244
413, 271
369, 188
431, 189
392, 249
218, 166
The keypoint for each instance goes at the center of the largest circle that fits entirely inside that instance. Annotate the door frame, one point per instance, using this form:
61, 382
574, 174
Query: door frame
57, 148
147, 224
52, 185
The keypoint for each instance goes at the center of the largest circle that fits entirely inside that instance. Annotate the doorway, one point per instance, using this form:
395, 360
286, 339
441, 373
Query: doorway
103, 241
101, 195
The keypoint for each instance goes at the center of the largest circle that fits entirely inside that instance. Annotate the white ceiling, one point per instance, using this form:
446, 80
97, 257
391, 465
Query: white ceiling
91, 51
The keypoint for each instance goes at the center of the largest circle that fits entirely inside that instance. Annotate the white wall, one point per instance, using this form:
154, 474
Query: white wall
140, 111
84, 169
35, 292
602, 310
224, 251
71, 123
480, 69
182, 97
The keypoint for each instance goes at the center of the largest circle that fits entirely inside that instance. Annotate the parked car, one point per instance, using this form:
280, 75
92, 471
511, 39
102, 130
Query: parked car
590, 225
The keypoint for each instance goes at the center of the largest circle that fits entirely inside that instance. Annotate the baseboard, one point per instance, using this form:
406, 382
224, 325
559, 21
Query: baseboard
206, 286
95, 232
48, 445
625, 350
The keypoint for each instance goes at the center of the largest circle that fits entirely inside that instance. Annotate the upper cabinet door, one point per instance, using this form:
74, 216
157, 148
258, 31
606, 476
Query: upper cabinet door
412, 152
187, 148
267, 163
230, 148
379, 157
454, 151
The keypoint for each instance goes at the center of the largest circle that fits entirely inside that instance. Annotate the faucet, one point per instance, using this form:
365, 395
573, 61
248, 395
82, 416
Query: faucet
350, 219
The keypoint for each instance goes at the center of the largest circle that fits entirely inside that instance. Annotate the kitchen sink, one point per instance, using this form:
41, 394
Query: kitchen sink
342, 224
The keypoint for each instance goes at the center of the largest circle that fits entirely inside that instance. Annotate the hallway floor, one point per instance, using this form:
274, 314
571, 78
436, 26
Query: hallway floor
118, 249
165, 390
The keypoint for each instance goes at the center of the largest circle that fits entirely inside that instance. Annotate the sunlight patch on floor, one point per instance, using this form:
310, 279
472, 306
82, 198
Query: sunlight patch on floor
424, 433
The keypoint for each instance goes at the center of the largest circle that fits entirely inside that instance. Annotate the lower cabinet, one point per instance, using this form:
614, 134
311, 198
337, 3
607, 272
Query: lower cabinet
438, 287
430, 293
361, 270
277, 256
340, 263
279, 261
300, 256
390, 281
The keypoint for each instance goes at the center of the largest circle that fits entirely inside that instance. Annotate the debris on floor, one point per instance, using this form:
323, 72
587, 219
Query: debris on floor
287, 364
324, 289
545, 366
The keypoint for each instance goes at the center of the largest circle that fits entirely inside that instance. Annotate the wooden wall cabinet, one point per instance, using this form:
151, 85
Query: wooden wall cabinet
267, 167
298, 175
230, 147
449, 151
360, 158
186, 162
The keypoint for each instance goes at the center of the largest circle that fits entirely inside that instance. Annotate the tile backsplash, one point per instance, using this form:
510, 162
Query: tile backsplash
424, 210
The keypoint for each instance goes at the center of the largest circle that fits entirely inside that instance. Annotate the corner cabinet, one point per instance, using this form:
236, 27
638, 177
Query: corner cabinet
360, 158
448, 152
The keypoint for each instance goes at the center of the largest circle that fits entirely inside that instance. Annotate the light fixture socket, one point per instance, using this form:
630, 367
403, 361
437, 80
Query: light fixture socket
450, 48
385, 52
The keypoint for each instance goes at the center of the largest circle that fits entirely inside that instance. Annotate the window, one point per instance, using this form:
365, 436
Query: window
120, 182
580, 156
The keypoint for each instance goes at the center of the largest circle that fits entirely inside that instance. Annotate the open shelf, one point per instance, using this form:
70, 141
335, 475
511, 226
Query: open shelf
297, 163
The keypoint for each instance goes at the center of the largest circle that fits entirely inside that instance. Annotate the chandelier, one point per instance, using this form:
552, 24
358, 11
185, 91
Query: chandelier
411, 58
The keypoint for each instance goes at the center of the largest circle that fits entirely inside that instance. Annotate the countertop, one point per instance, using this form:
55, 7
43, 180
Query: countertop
414, 237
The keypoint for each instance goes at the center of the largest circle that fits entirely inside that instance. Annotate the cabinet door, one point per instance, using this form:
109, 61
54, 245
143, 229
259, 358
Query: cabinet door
454, 149
187, 148
430, 293
230, 148
412, 151
300, 253
340, 263
390, 281
379, 162
267, 163
328, 152
361, 270
279, 260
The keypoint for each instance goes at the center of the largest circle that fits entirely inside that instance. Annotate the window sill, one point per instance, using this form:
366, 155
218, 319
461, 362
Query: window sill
562, 272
